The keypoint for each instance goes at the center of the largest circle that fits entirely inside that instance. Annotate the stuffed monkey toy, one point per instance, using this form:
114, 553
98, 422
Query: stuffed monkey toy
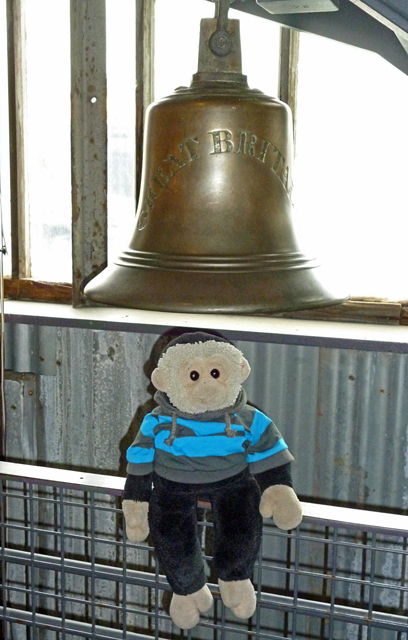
203, 441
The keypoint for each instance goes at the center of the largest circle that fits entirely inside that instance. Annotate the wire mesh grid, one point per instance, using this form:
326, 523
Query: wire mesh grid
68, 572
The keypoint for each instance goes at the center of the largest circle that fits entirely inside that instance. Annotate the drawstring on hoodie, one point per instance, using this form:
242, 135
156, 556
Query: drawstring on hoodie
169, 441
230, 432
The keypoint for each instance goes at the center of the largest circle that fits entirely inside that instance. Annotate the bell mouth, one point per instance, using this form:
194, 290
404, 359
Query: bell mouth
232, 291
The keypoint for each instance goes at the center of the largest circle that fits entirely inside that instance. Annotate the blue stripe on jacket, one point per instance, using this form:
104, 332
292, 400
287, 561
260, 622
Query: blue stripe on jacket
210, 440
140, 455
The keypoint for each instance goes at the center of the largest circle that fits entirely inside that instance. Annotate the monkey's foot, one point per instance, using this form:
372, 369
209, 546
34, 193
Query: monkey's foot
185, 610
239, 596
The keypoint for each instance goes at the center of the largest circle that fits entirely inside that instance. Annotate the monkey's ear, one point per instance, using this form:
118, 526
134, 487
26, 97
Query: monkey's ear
159, 379
245, 369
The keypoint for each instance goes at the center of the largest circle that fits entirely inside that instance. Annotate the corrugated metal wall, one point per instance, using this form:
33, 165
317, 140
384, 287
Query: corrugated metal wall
344, 413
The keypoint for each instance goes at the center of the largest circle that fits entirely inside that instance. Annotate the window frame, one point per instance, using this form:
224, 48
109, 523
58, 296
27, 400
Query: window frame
89, 124
18, 172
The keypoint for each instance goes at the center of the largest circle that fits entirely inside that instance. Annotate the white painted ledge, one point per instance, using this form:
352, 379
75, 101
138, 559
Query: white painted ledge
325, 514
345, 335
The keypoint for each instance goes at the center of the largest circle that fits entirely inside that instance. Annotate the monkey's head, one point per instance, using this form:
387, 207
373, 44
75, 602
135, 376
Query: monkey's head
200, 372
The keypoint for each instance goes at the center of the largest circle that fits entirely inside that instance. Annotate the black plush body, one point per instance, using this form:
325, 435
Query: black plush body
232, 455
236, 519
237, 530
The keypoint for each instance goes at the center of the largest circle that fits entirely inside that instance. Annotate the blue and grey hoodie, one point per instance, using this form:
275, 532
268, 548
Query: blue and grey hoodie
202, 449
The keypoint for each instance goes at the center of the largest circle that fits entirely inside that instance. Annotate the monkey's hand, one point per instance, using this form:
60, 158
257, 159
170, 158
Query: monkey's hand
281, 503
136, 518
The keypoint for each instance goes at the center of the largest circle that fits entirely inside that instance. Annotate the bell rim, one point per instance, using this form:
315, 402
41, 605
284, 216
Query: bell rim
134, 258
240, 293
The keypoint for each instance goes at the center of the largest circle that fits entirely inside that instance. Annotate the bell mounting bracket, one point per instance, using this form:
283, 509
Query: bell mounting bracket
220, 42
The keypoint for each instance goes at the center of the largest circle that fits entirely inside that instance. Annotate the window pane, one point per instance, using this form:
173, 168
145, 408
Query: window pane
48, 138
350, 184
121, 74
4, 142
176, 58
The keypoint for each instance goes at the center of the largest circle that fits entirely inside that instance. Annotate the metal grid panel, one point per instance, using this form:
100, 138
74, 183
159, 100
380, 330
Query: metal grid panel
68, 572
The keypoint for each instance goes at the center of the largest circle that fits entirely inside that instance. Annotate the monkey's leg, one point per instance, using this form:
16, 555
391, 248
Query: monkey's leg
173, 527
237, 536
185, 610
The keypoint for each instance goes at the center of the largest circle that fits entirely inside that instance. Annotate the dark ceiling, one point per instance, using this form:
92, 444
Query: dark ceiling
377, 25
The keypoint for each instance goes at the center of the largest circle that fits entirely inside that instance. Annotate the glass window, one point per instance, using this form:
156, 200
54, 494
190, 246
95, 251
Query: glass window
121, 91
47, 137
350, 183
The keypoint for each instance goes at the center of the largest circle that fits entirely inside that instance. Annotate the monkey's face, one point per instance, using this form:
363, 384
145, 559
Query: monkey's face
208, 384
197, 378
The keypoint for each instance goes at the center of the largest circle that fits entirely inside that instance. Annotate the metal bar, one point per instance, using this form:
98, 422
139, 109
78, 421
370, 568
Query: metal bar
32, 600
295, 583
259, 582
62, 556
3, 576
333, 586
371, 586
288, 71
156, 596
403, 576
93, 562
221, 13
89, 142
124, 586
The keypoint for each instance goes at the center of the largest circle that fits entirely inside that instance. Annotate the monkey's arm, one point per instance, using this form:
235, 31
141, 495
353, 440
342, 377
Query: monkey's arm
278, 498
138, 485
135, 506
269, 460
138, 488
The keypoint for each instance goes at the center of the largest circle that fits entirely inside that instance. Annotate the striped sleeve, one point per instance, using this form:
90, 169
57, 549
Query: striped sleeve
267, 449
140, 455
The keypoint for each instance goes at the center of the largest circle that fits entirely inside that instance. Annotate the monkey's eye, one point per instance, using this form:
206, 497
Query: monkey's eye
194, 375
215, 373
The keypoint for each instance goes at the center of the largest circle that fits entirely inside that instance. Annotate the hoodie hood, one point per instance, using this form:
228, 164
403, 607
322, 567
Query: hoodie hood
207, 416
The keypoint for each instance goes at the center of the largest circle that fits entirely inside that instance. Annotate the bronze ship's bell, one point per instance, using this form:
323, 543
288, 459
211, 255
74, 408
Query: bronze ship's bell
213, 230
